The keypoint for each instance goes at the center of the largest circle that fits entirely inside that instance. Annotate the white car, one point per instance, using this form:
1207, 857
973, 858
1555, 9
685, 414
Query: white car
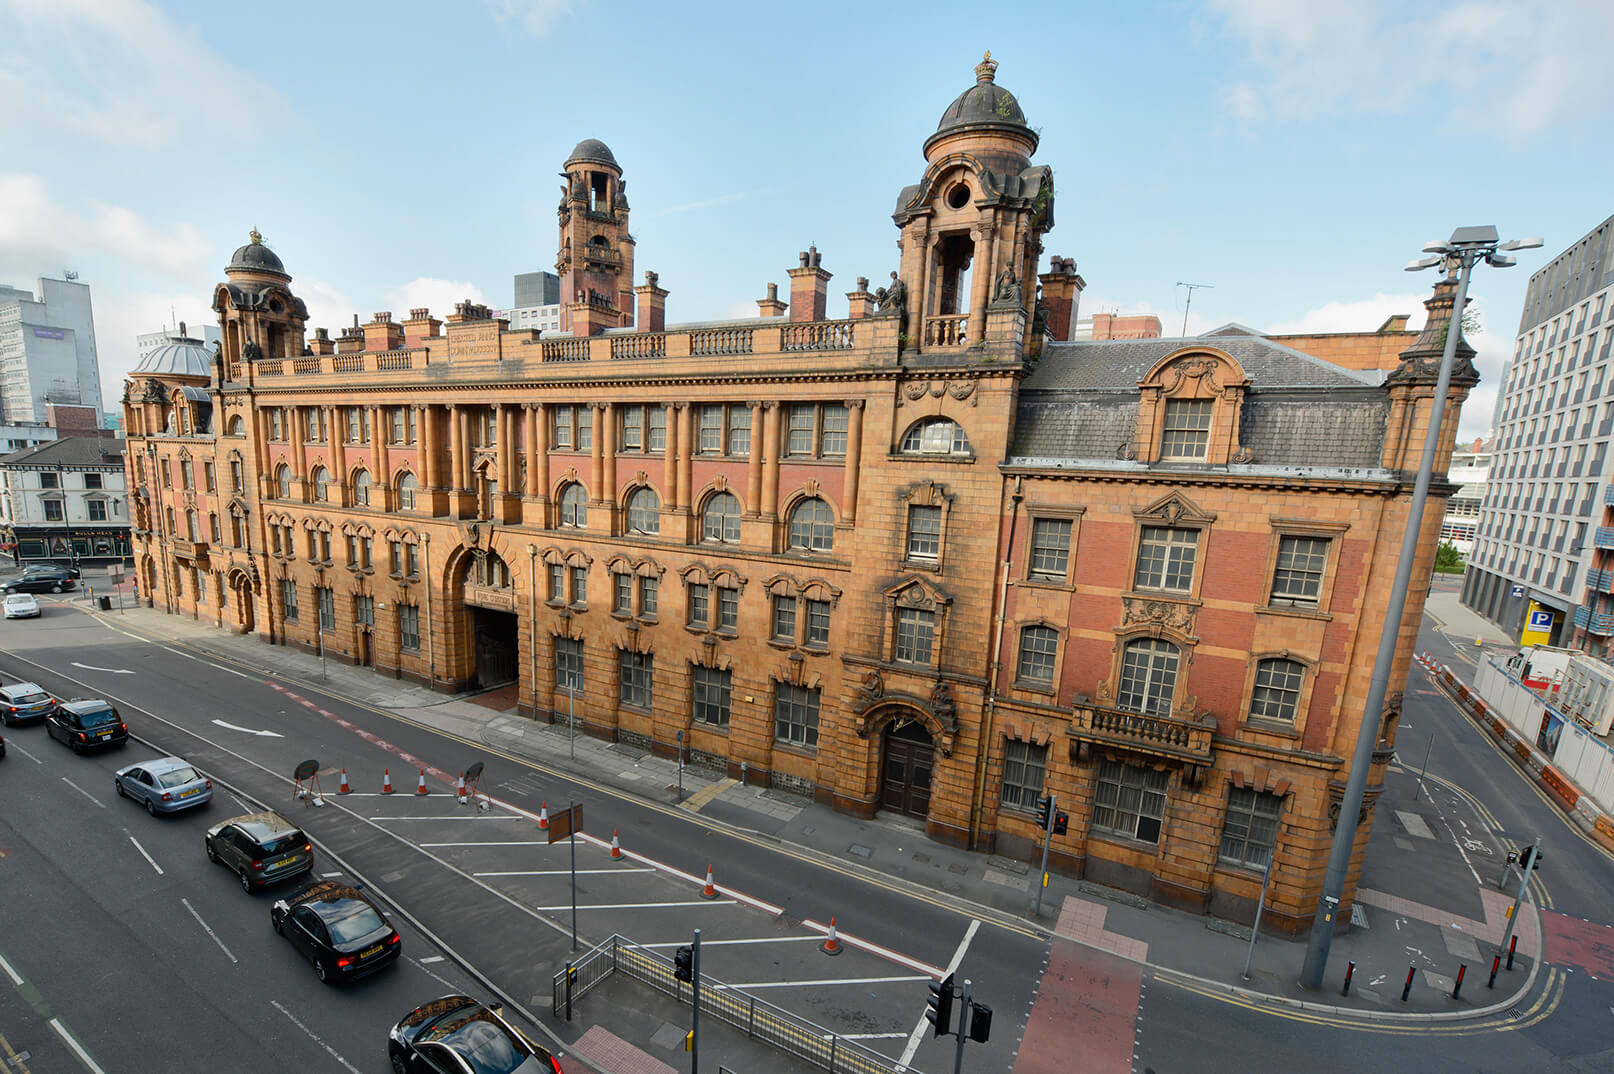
21, 606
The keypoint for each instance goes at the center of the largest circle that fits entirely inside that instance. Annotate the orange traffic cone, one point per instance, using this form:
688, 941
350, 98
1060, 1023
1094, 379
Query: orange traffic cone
616, 847
422, 788
344, 788
386, 781
459, 787
710, 890
831, 946
543, 815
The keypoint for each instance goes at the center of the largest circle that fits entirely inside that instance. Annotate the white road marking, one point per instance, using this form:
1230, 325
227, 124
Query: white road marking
760, 939
109, 671
566, 872
952, 967
432, 958
327, 876
248, 730
485, 816
148, 857
78, 1049
494, 843
813, 984
639, 905
855, 1036
240, 803
314, 1037
85, 793
26, 754
15, 978
419, 965
209, 931
872, 948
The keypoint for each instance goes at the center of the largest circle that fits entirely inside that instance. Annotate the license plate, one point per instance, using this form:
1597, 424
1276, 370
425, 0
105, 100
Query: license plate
105, 734
376, 950
187, 794
282, 863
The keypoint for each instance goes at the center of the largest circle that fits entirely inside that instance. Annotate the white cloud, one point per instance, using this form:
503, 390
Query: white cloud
35, 230
123, 73
1516, 65
534, 16
328, 307
438, 296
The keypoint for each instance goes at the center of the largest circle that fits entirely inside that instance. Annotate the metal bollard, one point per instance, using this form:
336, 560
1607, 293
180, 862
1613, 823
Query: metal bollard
1512, 946
745, 768
1462, 968
1406, 989
1350, 970
1496, 964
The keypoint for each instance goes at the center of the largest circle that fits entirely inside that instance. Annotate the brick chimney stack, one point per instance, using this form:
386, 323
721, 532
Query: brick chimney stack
381, 334
1062, 295
771, 306
860, 303
421, 325
322, 343
351, 341
652, 304
809, 288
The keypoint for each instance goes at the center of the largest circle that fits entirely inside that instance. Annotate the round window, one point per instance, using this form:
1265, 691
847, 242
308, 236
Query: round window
275, 306
959, 196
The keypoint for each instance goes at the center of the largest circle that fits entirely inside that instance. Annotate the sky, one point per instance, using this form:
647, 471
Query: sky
1292, 155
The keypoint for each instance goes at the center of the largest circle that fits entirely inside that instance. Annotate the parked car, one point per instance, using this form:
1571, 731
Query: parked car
52, 568
2, 748
166, 785
260, 848
52, 582
24, 702
339, 930
21, 606
85, 724
458, 1035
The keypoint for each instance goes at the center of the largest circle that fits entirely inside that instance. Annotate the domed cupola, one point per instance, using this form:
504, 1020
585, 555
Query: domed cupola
592, 151
986, 108
181, 356
258, 259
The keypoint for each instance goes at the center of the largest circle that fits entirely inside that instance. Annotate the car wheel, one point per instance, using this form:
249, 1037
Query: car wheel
320, 971
246, 882
398, 1066
117, 785
56, 589
212, 855
279, 923
150, 809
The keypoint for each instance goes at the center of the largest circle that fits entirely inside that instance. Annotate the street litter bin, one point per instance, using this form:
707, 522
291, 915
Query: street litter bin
104, 603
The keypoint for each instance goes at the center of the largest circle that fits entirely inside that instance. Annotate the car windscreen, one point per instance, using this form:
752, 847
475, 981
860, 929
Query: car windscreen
19, 598
280, 844
350, 919
178, 777
97, 717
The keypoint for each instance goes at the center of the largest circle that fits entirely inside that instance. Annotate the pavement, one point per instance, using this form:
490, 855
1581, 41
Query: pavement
1427, 903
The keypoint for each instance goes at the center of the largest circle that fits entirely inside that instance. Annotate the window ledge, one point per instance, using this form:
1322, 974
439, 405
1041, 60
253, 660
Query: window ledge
781, 644
967, 460
1033, 687
1164, 594
1270, 727
1125, 842
795, 748
1295, 612
711, 728
933, 565
1033, 582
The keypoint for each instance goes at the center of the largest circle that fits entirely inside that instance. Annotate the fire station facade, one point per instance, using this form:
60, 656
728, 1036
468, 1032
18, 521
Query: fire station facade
926, 559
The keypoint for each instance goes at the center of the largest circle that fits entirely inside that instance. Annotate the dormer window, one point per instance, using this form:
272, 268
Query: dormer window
1185, 430
935, 436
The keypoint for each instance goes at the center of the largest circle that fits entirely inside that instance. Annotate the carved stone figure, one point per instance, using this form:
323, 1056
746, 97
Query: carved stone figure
250, 350
873, 684
1008, 287
893, 299
941, 704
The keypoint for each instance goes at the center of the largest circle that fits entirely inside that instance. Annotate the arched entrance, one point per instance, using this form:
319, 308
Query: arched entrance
148, 581
241, 595
489, 597
907, 758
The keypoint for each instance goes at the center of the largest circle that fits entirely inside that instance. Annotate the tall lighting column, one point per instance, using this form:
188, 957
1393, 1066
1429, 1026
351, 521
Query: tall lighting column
1456, 255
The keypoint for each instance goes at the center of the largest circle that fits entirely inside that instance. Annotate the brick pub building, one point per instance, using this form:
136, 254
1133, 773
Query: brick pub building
927, 559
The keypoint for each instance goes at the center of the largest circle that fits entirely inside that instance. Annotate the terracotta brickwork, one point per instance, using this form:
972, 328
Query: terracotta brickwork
868, 559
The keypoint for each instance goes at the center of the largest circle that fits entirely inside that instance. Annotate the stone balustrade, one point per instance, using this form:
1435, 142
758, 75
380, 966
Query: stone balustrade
1161, 736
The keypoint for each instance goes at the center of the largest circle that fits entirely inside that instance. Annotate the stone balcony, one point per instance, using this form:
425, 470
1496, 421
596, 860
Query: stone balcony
1167, 737
194, 551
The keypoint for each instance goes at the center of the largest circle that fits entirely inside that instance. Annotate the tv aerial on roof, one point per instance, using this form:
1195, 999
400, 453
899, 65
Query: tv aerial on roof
69, 274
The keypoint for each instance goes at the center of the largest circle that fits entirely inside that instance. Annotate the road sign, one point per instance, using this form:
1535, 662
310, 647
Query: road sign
1516, 591
1540, 620
564, 822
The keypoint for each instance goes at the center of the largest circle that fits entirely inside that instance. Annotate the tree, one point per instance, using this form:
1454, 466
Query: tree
1448, 560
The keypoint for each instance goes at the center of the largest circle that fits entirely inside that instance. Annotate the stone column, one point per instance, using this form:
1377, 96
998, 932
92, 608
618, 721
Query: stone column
608, 437
299, 443
505, 448
686, 454
770, 460
430, 447
981, 279
380, 429
596, 475
753, 473
669, 460
854, 457
459, 448
534, 487
335, 432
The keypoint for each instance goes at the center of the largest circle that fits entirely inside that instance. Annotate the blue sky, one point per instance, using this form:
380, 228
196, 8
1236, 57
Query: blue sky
1293, 154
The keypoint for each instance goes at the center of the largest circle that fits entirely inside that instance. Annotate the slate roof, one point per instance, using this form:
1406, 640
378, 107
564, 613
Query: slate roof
1121, 363
69, 451
182, 357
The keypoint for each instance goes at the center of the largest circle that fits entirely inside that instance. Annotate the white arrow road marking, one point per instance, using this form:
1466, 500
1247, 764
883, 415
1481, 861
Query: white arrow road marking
110, 671
248, 730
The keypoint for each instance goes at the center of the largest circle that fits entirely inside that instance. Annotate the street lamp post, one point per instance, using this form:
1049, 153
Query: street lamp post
1457, 255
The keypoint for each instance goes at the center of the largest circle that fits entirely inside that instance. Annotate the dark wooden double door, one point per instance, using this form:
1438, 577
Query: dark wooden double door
906, 769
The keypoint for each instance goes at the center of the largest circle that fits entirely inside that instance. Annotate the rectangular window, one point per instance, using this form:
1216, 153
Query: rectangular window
209, 478
622, 594
710, 695
795, 715
1130, 800
365, 547
799, 430
1148, 677
364, 610
411, 560
560, 438
557, 583
97, 509
354, 424
818, 623
657, 424
569, 664
579, 585
409, 627
924, 533
1050, 548
1166, 559
636, 674
649, 591
212, 521
585, 428
1251, 831
395, 419
288, 598
832, 430
739, 430
93, 481
49, 480
327, 607
53, 510
916, 633
187, 474
728, 608
1185, 431
784, 619
699, 604
353, 549
1024, 765
1298, 579
395, 556
709, 438
632, 429
1039, 645
277, 424
167, 476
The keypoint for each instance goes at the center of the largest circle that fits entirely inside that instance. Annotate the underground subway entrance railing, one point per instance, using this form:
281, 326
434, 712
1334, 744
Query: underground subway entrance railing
757, 1018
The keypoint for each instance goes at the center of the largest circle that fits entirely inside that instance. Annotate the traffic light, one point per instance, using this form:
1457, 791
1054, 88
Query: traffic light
684, 963
980, 1022
940, 1012
1061, 823
1524, 856
1045, 805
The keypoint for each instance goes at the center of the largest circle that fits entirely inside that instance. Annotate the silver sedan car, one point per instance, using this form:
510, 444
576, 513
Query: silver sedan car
21, 606
166, 785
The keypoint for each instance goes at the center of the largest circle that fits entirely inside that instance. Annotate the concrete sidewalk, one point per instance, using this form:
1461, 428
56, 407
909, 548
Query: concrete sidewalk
1419, 907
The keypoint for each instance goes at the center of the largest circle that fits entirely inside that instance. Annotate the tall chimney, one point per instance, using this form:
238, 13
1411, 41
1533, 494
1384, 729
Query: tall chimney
652, 304
809, 288
1062, 295
860, 303
771, 306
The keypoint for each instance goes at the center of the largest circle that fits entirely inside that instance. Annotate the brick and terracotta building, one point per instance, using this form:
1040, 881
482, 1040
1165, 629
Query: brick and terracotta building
928, 558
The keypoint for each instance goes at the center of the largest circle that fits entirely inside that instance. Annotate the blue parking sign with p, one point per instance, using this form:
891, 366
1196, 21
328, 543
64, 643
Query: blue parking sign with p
1540, 620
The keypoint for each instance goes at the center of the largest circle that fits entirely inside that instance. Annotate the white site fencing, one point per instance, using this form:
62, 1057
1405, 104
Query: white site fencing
1583, 759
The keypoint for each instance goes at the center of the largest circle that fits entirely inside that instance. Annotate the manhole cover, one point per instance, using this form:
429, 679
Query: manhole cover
922, 859
860, 850
668, 1037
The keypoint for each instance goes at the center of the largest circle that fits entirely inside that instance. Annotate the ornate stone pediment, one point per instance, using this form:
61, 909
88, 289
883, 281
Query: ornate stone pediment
1160, 613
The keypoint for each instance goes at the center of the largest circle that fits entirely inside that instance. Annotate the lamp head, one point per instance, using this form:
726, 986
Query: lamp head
1423, 263
1435, 246
1501, 261
1521, 244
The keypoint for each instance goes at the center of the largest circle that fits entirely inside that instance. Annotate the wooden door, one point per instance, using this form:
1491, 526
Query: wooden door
909, 758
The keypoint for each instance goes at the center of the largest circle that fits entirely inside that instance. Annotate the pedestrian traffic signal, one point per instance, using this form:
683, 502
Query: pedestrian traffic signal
940, 1012
980, 1022
684, 963
1061, 823
1045, 806
1524, 856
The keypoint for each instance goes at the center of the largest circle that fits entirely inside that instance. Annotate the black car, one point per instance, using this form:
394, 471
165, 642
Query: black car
339, 930
87, 724
260, 848
41, 582
458, 1035
52, 568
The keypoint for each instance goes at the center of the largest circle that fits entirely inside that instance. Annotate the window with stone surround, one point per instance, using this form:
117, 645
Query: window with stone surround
574, 506
1277, 690
924, 533
1130, 800
812, 527
795, 714
1297, 580
643, 514
636, 674
916, 635
784, 618
1250, 833
288, 599
720, 518
283, 481
557, 583
935, 436
1049, 555
723, 429
1185, 429
406, 491
569, 665
1024, 766
815, 430
1039, 650
700, 604
710, 689
409, 627
1166, 559
1148, 676
322, 484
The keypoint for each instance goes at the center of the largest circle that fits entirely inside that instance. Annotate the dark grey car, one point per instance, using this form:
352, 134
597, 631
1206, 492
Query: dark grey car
24, 702
260, 848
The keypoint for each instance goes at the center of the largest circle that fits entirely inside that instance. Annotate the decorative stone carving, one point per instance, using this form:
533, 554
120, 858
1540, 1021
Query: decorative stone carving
1200, 369
1160, 613
1006, 294
873, 685
251, 351
1243, 456
1127, 451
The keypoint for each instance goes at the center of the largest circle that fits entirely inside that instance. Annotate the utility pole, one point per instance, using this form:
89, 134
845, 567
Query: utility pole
1532, 855
1186, 305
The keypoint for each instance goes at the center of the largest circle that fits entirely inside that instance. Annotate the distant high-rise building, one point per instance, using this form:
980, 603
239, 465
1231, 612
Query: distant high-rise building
47, 349
147, 342
537, 303
1113, 326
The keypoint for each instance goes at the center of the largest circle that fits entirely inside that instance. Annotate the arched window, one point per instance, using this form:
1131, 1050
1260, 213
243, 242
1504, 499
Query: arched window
1277, 690
406, 490
322, 484
237, 426
361, 489
283, 481
1148, 677
935, 436
574, 506
644, 512
812, 529
720, 518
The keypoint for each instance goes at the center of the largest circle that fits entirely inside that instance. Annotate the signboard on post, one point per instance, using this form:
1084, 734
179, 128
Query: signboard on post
565, 822
1516, 591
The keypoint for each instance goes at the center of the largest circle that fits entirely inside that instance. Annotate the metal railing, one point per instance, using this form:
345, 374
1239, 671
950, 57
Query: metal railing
758, 1018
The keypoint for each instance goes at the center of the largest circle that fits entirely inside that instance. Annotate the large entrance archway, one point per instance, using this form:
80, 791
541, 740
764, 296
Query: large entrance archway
488, 592
907, 760
495, 644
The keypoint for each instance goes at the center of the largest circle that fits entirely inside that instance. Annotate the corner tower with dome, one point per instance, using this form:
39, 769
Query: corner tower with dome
595, 255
